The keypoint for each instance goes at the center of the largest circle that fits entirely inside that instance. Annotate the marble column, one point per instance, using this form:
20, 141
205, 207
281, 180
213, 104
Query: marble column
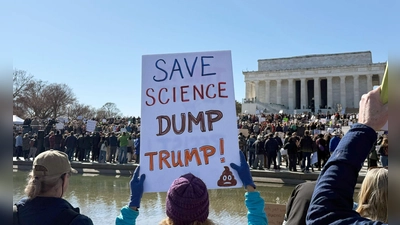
303, 89
267, 87
278, 91
343, 92
248, 90
291, 94
369, 82
356, 91
256, 85
329, 91
317, 93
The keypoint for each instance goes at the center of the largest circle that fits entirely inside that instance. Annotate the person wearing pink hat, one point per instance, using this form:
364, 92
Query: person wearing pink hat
187, 201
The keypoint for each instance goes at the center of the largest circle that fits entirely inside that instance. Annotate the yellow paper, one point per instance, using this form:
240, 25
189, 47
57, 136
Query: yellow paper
384, 86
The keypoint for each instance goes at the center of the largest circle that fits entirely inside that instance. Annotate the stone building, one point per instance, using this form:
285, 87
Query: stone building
316, 83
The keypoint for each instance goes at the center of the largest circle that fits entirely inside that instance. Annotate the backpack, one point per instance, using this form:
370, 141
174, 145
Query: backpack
64, 218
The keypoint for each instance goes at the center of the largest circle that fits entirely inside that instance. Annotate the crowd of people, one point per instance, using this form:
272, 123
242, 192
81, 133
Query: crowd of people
328, 201
294, 139
112, 141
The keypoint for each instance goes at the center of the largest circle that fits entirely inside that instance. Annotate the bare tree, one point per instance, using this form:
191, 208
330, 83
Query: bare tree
20, 80
108, 110
32, 101
43, 100
77, 109
58, 96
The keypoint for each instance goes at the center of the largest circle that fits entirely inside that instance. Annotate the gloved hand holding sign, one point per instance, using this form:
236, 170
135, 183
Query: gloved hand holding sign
136, 185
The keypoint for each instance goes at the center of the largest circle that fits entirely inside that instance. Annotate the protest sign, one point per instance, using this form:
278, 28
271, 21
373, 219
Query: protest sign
275, 213
314, 158
59, 126
103, 120
245, 132
188, 120
91, 125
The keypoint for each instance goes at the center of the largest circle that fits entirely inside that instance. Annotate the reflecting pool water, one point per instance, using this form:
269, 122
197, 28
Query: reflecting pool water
101, 197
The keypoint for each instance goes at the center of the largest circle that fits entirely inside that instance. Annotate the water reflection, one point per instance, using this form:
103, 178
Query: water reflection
101, 197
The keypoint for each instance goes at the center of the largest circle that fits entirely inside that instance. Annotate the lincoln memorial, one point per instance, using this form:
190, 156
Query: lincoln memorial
311, 83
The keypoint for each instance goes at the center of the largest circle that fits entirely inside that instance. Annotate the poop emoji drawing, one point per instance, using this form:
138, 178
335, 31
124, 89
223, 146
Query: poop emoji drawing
226, 179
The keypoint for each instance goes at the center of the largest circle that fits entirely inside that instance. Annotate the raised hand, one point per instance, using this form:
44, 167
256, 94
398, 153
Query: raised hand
243, 171
373, 112
136, 185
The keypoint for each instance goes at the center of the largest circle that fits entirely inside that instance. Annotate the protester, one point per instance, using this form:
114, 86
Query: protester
331, 202
137, 148
251, 149
260, 151
19, 144
373, 158
87, 145
291, 147
80, 150
123, 147
333, 143
373, 196
271, 147
103, 150
306, 147
33, 147
322, 151
242, 143
112, 142
26, 146
51, 140
384, 152
280, 145
47, 183
96, 146
130, 149
71, 142
298, 203
187, 199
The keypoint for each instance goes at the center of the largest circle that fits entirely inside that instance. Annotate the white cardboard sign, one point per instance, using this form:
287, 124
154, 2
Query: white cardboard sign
91, 125
59, 126
188, 122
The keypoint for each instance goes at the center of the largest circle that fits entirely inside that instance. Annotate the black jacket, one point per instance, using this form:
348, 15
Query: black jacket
271, 146
259, 147
306, 144
297, 206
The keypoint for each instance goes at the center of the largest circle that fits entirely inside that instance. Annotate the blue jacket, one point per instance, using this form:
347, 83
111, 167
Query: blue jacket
332, 201
254, 203
44, 210
333, 144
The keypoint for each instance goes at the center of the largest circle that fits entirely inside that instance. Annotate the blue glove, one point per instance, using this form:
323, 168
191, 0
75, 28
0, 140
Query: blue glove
243, 171
136, 188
